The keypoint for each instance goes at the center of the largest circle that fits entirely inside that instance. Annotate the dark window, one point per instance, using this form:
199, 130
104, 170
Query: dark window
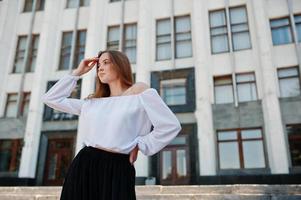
65, 50
294, 138
10, 154
20, 54
177, 88
54, 115
29, 3
298, 26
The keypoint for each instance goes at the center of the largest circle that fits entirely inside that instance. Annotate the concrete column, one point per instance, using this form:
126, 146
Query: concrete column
43, 66
274, 130
8, 10
143, 65
201, 42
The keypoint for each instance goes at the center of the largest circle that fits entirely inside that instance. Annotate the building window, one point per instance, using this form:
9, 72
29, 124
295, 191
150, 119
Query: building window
33, 52
11, 107
80, 47
130, 37
163, 39
246, 87
177, 88
281, 31
223, 89
25, 104
129, 40
73, 3
20, 54
294, 137
183, 37
173, 91
113, 38
298, 26
239, 28
54, 115
29, 3
289, 82
241, 149
10, 154
218, 31
65, 57
65, 50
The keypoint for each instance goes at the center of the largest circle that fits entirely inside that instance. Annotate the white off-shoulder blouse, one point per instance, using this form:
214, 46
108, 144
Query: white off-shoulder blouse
118, 123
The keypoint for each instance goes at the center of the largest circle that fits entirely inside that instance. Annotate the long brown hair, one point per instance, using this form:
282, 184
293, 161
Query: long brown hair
121, 65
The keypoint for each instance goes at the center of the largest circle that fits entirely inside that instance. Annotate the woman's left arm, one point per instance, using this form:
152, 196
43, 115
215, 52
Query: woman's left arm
166, 125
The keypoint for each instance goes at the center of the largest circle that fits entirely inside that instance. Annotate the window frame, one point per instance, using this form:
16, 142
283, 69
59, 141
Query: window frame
278, 27
240, 141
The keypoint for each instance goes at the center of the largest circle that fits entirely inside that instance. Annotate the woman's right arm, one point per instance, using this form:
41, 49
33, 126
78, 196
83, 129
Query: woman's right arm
57, 96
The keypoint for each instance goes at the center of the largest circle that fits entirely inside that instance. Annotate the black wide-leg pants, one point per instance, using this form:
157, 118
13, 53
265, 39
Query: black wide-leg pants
95, 174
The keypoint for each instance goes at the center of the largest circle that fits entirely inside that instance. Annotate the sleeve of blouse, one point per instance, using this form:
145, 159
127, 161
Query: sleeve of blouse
165, 123
57, 96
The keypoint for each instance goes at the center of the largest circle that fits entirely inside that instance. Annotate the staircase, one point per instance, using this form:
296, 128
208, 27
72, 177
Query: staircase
157, 192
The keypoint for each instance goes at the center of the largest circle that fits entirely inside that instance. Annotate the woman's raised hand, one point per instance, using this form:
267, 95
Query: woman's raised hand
85, 65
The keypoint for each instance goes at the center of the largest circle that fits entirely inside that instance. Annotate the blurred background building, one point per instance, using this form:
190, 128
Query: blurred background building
229, 70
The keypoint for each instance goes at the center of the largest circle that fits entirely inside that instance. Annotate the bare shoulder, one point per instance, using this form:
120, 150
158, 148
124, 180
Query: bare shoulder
139, 87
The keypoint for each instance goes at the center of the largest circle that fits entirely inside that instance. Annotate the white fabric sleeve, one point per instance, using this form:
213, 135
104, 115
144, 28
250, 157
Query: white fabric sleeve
165, 123
56, 96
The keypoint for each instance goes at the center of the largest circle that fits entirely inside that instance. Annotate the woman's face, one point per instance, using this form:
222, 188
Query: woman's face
105, 71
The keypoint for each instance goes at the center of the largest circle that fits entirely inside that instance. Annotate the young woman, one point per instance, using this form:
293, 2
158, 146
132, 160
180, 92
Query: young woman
117, 120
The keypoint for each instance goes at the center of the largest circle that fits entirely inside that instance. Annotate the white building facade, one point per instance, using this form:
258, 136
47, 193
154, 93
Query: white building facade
229, 70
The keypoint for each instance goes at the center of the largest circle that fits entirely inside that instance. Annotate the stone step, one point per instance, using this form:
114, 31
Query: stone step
157, 192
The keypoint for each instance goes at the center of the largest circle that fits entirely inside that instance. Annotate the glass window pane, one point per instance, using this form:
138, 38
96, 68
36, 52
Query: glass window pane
180, 140
246, 92
28, 5
298, 26
166, 165
253, 154
84, 2
238, 15
223, 94
11, 105
294, 135
287, 72
182, 24
220, 44
217, 18
72, 3
183, 49
181, 163
164, 51
229, 155
227, 135
281, 31
245, 77
251, 133
5, 158
289, 87
174, 91
241, 41
163, 27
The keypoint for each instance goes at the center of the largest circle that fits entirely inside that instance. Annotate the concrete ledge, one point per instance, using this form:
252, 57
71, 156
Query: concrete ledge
159, 192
